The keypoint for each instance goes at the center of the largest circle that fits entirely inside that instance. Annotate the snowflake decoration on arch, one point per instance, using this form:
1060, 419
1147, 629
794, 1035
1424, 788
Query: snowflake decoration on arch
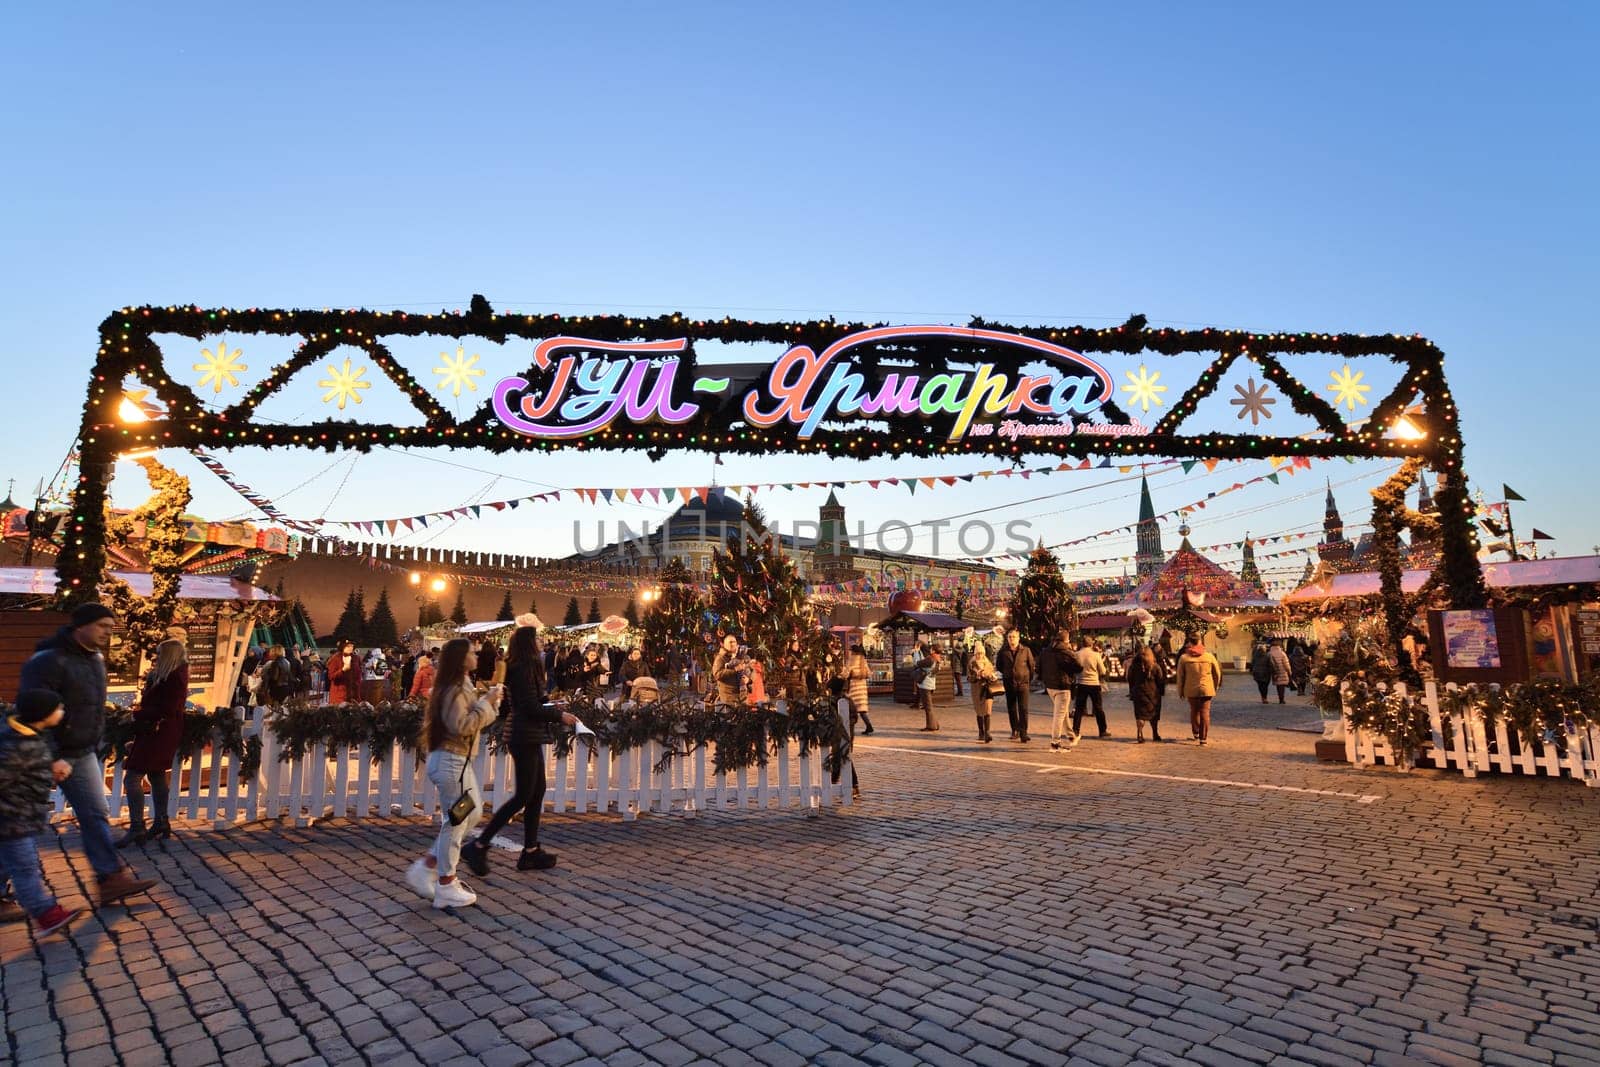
344, 384
1347, 388
1253, 401
1142, 388
220, 367
457, 371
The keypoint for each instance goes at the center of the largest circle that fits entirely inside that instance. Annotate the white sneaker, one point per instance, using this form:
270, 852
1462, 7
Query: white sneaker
453, 895
422, 879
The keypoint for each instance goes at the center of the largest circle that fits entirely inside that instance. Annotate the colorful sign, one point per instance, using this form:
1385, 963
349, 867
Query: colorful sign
1471, 639
806, 389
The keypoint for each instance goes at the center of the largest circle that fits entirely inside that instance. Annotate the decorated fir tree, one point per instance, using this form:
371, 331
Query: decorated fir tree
458, 614
145, 618
674, 631
352, 624
1041, 604
574, 615
756, 592
381, 628
507, 613
594, 610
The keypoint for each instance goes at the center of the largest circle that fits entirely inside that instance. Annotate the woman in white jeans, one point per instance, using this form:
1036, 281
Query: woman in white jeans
455, 716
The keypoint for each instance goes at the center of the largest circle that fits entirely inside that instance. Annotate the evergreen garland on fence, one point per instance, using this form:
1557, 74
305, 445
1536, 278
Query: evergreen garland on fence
679, 722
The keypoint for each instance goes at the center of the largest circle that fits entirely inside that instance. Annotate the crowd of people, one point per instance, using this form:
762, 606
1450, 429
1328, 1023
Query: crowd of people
469, 686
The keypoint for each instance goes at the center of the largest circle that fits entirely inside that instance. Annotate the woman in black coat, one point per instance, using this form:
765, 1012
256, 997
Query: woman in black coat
528, 728
1146, 680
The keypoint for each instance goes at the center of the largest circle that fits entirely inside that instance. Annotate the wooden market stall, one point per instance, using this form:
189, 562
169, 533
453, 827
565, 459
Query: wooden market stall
1546, 623
216, 614
905, 630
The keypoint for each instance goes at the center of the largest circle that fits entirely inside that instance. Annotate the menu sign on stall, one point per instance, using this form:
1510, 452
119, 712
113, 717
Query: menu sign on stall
202, 648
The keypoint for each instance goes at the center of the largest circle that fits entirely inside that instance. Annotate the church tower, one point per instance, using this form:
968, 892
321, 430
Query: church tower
1334, 549
1149, 558
832, 558
1249, 572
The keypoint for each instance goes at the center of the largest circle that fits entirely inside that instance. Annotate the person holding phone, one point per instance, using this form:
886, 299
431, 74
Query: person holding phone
454, 717
730, 670
528, 728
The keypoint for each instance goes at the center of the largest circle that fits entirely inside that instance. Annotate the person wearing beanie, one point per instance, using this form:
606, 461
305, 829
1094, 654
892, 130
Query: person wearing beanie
25, 784
70, 664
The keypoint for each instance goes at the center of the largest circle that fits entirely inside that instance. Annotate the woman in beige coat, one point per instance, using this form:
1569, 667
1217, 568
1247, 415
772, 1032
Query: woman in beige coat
456, 714
1199, 676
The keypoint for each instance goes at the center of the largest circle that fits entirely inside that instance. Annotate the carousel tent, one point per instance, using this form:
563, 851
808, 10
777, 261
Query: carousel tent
1190, 581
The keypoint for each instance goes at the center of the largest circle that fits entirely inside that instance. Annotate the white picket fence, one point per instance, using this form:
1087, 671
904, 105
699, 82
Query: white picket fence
350, 785
1472, 748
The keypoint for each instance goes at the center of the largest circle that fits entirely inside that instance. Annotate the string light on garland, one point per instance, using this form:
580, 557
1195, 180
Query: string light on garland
221, 367
1143, 390
343, 384
1347, 388
129, 348
1253, 401
458, 370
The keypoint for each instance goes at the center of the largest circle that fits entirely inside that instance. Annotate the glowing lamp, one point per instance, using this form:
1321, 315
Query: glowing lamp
129, 411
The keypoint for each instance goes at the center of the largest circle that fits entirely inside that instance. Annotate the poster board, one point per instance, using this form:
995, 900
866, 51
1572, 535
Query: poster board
1586, 638
1478, 645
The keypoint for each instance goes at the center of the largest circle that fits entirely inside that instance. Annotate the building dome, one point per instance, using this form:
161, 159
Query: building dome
718, 509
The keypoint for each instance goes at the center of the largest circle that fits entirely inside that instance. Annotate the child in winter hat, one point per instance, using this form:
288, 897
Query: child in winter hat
25, 785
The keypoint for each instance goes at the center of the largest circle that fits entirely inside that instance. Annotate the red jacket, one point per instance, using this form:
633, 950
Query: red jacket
160, 718
344, 679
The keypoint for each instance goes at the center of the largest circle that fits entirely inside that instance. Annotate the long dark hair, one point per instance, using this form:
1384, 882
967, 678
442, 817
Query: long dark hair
524, 652
451, 672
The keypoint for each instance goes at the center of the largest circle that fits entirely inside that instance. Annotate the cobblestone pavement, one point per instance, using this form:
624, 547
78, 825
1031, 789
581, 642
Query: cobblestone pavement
996, 904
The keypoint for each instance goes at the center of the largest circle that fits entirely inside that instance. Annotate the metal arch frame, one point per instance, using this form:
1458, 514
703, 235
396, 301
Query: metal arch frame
128, 348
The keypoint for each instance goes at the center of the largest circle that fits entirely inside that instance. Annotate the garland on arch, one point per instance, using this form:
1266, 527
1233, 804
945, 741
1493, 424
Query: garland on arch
128, 349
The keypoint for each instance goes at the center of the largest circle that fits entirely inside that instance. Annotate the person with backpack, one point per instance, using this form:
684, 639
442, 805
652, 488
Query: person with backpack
26, 779
277, 678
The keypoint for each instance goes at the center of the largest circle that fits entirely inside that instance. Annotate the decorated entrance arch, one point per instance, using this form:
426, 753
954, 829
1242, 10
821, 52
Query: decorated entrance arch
613, 382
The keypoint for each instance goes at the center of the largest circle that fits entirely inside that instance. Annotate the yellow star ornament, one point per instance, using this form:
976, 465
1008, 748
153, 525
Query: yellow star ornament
457, 371
1347, 389
344, 384
221, 367
1142, 388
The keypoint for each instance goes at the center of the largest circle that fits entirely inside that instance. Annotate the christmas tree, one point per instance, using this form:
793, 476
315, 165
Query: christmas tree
631, 612
673, 630
756, 592
352, 624
458, 614
594, 610
507, 613
533, 605
381, 629
1042, 605
574, 615
429, 613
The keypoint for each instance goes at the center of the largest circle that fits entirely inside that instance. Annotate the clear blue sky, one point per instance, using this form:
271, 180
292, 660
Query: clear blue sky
1368, 167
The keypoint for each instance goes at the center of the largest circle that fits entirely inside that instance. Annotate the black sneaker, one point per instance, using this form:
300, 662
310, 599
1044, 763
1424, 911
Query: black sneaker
537, 860
475, 854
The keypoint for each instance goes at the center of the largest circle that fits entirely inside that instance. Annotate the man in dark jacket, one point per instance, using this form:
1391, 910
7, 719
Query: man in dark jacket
1058, 670
1017, 669
71, 665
